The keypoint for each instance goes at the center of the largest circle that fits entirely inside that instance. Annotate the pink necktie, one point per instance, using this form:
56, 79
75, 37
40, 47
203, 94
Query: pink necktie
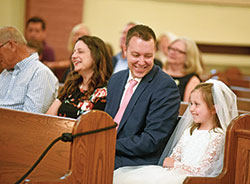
125, 101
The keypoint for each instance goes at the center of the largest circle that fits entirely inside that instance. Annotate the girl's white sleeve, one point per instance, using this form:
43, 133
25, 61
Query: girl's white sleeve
213, 153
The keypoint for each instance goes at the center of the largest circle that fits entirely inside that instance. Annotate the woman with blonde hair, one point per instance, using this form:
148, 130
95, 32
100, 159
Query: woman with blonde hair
184, 65
76, 32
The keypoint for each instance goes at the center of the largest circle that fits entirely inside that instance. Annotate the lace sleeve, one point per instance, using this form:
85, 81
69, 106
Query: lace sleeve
177, 151
212, 154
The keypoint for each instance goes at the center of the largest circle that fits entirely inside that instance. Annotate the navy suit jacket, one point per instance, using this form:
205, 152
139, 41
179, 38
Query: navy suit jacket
148, 120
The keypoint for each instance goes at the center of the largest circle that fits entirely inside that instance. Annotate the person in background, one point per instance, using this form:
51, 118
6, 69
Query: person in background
162, 46
119, 61
200, 147
36, 31
76, 32
147, 119
85, 87
26, 83
35, 46
184, 65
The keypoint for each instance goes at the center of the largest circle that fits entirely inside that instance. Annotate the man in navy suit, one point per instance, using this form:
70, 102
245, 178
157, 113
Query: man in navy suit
151, 114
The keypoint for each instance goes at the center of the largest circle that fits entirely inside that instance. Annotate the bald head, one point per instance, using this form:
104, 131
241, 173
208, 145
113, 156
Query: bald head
13, 47
8, 33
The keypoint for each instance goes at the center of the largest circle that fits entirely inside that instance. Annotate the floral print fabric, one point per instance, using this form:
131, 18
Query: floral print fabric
74, 105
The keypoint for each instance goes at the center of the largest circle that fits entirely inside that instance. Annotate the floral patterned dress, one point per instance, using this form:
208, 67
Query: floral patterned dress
74, 105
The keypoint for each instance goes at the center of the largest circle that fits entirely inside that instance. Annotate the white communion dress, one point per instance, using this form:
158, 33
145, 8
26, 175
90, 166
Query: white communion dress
199, 154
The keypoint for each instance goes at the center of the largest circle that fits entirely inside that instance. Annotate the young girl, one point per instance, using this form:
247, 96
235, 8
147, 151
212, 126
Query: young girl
199, 152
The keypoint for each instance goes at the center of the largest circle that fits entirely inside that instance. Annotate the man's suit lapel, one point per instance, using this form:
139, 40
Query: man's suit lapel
143, 84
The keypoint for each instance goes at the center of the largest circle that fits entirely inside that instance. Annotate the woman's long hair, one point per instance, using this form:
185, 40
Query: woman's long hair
102, 68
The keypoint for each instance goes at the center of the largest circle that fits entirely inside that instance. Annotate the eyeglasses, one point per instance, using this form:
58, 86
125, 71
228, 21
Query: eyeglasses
4, 44
176, 50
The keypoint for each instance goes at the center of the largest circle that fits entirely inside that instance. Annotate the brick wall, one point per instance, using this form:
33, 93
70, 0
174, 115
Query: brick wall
60, 17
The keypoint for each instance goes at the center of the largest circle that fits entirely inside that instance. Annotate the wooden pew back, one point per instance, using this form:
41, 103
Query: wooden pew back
243, 105
183, 107
93, 155
236, 81
236, 156
232, 79
241, 92
24, 136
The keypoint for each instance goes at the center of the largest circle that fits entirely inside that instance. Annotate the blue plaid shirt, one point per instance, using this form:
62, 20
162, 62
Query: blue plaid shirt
31, 86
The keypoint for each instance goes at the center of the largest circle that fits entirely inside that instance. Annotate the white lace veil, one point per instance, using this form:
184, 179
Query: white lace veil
226, 108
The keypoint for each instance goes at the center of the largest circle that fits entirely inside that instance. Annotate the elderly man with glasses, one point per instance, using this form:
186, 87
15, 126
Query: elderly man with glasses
26, 84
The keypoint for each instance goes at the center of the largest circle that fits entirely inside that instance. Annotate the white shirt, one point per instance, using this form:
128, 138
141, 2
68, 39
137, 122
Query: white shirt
30, 87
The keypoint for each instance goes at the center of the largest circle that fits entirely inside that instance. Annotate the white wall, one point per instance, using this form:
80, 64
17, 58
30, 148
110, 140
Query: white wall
12, 12
202, 22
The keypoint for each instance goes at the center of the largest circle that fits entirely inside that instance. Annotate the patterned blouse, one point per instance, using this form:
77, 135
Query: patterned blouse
74, 105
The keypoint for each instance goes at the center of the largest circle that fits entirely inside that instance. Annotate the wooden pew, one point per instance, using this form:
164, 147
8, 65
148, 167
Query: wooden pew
238, 81
24, 136
237, 157
232, 79
241, 92
92, 157
59, 67
243, 105
183, 107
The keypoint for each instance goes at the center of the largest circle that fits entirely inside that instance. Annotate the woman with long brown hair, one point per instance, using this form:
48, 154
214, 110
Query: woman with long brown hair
85, 87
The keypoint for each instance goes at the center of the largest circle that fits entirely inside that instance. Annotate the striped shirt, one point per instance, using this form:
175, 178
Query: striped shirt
30, 87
